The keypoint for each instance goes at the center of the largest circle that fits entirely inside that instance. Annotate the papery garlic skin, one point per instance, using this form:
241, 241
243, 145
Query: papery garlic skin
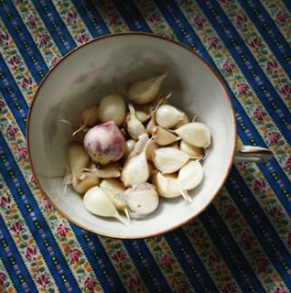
112, 108
83, 181
145, 91
134, 127
168, 116
105, 143
190, 175
142, 198
78, 159
195, 133
163, 137
169, 160
166, 184
193, 151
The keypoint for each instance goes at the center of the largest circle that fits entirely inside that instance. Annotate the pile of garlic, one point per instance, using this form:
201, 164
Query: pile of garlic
125, 160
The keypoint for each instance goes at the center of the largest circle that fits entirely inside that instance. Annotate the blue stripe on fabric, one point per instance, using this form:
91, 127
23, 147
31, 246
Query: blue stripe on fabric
57, 31
284, 200
132, 16
11, 20
276, 34
264, 222
17, 257
206, 280
136, 257
97, 246
288, 5
88, 13
231, 253
32, 202
97, 269
266, 83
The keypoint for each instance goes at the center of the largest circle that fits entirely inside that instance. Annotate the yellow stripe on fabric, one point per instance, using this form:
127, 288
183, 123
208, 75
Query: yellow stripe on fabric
249, 101
13, 216
280, 15
7, 286
277, 75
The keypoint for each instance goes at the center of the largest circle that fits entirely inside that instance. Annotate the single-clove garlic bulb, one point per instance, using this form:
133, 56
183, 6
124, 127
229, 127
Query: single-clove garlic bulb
142, 198
193, 151
195, 133
134, 127
190, 176
78, 159
166, 184
105, 143
97, 202
136, 169
89, 117
163, 137
144, 92
168, 116
169, 160
112, 108
83, 181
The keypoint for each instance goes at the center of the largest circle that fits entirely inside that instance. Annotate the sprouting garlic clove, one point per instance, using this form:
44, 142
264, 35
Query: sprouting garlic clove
144, 92
166, 184
190, 175
195, 133
152, 146
83, 181
136, 169
142, 116
114, 189
163, 137
142, 198
182, 122
78, 158
97, 202
193, 151
112, 108
169, 160
129, 146
134, 127
108, 171
168, 116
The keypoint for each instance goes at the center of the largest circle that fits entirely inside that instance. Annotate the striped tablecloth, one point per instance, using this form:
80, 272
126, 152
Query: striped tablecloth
242, 242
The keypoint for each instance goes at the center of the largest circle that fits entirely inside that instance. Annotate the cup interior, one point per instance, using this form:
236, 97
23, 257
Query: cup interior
83, 77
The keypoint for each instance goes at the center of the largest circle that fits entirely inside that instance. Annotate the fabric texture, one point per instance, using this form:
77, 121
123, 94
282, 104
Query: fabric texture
242, 242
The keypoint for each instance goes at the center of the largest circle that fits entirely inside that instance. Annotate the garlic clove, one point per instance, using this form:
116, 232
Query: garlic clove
136, 169
112, 108
83, 181
193, 151
114, 189
142, 116
184, 120
97, 202
190, 175
169, 160
144, 92
134, 127
78, 159
109, 171
163, 137
152, 146
129, 146
166, 184
195, 133
142, 198
151, 125
175, 145
168, 116
140, 145
89, 117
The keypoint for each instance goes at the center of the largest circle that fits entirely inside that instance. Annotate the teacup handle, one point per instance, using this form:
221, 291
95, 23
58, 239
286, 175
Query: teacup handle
252, 154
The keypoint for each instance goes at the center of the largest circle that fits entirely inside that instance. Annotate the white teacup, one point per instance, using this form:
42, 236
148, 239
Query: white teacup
88, 73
